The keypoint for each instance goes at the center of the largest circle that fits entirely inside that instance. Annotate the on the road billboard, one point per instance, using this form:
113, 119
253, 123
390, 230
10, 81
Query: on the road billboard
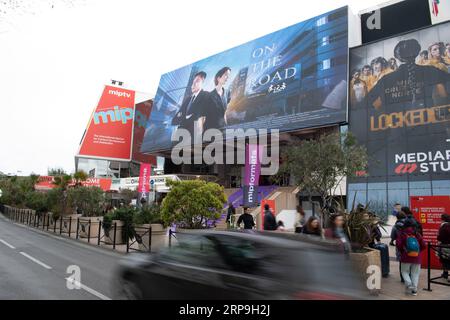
400, 105
290, 79
110, 130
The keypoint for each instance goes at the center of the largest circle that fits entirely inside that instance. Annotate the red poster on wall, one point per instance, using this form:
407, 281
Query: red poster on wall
271, 204
110, 130
428, 210
47, 183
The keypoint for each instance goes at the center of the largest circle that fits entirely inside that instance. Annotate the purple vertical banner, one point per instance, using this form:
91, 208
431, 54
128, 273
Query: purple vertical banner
252, 173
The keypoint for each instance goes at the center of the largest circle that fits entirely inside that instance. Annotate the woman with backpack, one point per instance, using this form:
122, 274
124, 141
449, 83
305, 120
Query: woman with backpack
410, 245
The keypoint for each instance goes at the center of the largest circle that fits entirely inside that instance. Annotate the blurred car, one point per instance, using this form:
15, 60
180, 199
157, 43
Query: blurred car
240, 265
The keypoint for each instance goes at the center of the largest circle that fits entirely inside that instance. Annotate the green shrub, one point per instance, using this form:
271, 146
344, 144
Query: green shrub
191, 204
126, 215
148, 215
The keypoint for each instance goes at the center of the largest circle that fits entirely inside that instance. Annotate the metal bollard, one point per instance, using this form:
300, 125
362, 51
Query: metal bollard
150, 238
99, 232
128, 238
89, 231
78, 227
70, 226
114, 240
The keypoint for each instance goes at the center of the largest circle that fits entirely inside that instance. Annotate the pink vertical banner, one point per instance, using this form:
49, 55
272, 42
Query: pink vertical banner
144, 182
252, 172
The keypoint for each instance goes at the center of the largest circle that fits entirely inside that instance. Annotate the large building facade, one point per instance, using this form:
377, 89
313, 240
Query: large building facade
382, 74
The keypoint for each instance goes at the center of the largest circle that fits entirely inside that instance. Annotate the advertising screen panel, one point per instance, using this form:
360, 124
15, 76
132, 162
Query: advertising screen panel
290, 79
400, 106
110, 131
400, 17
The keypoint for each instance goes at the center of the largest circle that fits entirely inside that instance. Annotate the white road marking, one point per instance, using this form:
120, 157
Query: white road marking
36, 260
7, 244
86, 288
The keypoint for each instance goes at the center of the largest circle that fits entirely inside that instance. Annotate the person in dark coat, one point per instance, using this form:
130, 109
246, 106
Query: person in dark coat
396, 229
412, 221
401, 217
219, 98
247, 219
269, 220
444, 239
230, 212
194, 104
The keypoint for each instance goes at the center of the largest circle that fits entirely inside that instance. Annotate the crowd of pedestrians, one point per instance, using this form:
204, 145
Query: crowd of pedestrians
406, 236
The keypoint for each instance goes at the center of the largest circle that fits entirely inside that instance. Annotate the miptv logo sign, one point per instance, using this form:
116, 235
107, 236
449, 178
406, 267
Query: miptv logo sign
119, 93
117, 114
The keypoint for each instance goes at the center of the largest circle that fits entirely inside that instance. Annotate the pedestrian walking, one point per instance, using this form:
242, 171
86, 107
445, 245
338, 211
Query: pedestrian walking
230, 213
269, 220
414, 223
444, 239
312, 227
396, 229
410, 245
336, 231
401, 217
397, 209
247, 219
301, 220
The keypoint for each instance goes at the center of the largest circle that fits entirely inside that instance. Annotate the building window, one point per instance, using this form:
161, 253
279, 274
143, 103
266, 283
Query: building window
321, 21
326, 64
325, 41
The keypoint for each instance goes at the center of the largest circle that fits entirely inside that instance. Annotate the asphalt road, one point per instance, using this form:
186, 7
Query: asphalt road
34, 265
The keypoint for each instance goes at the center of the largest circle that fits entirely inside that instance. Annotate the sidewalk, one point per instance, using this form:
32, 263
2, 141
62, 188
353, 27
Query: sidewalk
393, 289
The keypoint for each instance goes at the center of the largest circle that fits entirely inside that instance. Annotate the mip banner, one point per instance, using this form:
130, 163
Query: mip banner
144, 183
252, 173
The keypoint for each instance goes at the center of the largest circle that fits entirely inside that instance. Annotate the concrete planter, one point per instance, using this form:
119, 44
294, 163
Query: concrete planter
69, 223
109, 234
85, 231
362, 260
159, 237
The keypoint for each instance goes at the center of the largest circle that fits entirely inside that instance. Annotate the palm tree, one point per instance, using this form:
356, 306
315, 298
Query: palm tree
79, 177
62, 181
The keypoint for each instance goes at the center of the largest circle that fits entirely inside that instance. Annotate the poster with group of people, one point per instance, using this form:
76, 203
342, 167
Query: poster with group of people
399, 96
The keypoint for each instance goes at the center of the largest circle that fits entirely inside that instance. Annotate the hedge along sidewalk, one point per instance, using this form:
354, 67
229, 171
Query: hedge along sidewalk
70, 228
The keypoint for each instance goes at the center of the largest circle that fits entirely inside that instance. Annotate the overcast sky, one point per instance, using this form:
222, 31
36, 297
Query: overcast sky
55, 61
